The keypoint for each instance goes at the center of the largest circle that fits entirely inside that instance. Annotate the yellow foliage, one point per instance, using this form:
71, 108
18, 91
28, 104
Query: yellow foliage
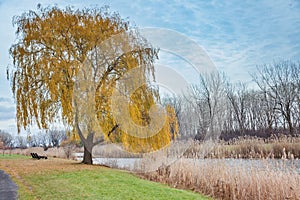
140, 103
52, 48
53, 44
173, 122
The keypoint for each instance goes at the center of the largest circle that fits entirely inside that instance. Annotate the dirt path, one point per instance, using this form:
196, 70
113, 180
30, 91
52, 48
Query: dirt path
8, 189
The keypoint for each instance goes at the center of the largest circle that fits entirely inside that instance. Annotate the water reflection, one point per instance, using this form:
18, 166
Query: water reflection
262, 164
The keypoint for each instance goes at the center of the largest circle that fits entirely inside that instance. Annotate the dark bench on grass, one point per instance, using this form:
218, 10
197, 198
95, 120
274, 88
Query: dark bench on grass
36, 156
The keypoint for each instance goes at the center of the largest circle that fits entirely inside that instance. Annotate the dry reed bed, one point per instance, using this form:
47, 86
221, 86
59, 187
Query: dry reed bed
218, 179
248, 147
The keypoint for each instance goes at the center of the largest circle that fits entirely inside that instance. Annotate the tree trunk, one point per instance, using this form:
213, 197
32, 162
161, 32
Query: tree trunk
87, 156
87, 143
88, 149
88, 146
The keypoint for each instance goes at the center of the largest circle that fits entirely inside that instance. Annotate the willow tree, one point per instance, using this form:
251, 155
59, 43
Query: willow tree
66, 63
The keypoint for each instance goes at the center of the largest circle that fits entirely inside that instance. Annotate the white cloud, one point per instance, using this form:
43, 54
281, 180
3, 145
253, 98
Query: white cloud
240, 35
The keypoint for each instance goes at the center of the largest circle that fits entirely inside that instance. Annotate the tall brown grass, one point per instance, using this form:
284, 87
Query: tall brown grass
220, 180
248, 147
259, 177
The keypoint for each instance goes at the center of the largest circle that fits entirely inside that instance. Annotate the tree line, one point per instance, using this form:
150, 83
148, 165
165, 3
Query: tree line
217, 108
45, 139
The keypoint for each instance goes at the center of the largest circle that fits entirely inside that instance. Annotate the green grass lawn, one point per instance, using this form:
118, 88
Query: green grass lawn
101, 184
11, 156
63, 179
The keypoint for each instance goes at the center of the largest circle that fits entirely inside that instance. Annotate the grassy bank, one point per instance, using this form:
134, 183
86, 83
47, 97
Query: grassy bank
11, 156
63, 179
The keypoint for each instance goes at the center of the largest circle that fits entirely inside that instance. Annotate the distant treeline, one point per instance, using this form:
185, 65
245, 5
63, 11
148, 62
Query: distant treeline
216, 108
44, 138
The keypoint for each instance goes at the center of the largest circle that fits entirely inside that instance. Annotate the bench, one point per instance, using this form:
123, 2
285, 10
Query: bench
36, 156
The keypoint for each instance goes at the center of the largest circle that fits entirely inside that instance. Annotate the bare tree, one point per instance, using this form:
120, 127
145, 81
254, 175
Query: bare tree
6, 139
21, 141
176, 101
68, 146
237, 96
43, 139
217, 106
208, 99
279, 82
56, 137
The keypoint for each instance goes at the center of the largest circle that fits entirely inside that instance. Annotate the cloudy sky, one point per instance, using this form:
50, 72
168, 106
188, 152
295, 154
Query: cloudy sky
236, 35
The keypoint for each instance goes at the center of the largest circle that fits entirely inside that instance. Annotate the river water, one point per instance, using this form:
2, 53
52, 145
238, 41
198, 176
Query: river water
261, 164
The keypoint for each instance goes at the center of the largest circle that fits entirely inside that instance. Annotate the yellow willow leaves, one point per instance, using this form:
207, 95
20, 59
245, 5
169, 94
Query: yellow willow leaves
72, 135
172, 121
154, 142
52, 45
140, 103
